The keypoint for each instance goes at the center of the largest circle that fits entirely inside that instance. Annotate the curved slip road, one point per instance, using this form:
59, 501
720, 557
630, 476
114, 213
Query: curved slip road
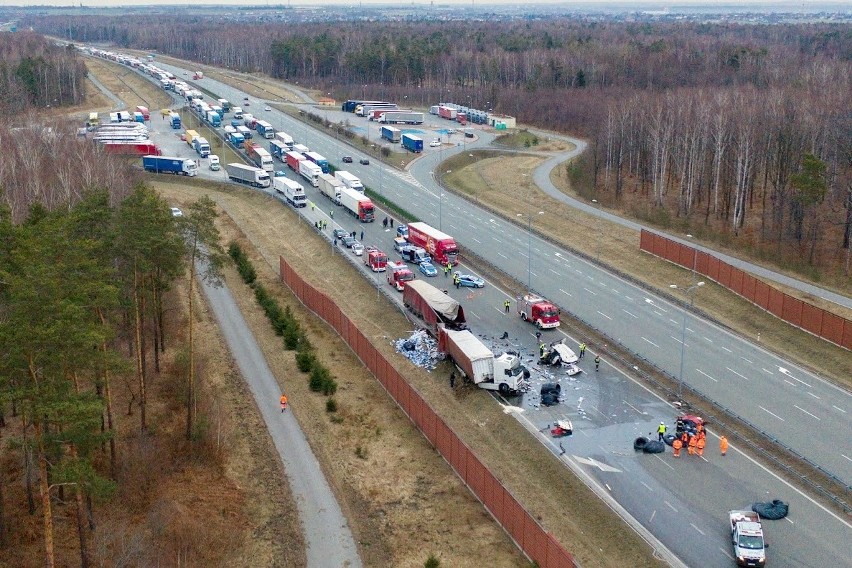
327, 536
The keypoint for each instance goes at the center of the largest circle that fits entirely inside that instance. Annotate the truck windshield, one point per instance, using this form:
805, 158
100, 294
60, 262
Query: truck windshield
750, 542
550, 312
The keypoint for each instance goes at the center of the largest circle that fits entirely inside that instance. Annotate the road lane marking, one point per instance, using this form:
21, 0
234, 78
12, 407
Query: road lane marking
736, 373
847, 457
589, 291
806, 412
566, 293
670, 506
534, 274
791, 383
747, 360
726, 349
648, 487
553, 271
520, 253
652, 514
476, 240
678, 340
634, 408
503, 255
673, 321
696, 528
840, 409
787, 372
767, 371
604, 315
474, 314
657, 313
629, 314
651, 342
706, 375
726, 553
708, 339
815, 396
770, 412
629, 298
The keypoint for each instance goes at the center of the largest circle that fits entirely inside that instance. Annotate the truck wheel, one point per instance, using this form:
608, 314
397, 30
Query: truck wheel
503, 389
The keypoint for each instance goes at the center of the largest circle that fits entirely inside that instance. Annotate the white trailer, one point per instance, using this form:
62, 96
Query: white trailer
291, 191
248, 175
476, 361
331, 187
286, 139
310, 171
349, 180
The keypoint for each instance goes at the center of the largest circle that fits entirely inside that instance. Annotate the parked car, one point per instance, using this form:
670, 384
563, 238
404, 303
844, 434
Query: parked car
434, 143
428, 269
349, 241
357, 249
280, 174
339, 234
471, 281
183, 137
364, 162
468, 134
267, 108
347, 159
176, 212
402, 231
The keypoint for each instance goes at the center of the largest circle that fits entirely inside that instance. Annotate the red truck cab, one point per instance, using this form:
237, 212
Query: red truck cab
376, 259
543, 314
398, 274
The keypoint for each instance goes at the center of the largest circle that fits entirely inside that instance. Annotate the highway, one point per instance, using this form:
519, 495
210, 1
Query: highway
683, 504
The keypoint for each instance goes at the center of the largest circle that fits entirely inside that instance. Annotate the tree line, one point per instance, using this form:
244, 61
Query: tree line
35, 72
706, 123
85, 267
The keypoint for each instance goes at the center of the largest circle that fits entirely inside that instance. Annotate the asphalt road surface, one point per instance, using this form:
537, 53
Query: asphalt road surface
327, 536
660, 493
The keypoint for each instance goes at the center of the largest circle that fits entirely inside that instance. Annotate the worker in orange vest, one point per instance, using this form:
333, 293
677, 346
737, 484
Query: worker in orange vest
684, 438
700, 444
676, 446
283, 402
723, 445
693, 441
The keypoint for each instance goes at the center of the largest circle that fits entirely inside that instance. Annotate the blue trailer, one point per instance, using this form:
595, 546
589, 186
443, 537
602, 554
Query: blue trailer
412, 143
174, 118
391, 134
278, 150
236, 139
319, 160
170, 165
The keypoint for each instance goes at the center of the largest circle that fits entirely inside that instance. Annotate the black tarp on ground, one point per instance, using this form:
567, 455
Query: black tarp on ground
773, 511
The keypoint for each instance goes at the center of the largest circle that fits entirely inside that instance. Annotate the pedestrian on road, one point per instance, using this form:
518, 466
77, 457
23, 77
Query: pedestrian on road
582, 350
456, 280
538, 336
541, 349
391, 222
507, 304
723, 445
352, 234
283, 402
597, 362
693, 443
453, 380
676, 446
362, 236
331, 213
661, 431
385, 222
335, 241
324, 224
700, 445
312, 205
446, 272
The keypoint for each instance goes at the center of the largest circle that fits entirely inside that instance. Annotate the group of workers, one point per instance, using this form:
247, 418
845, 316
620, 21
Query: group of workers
693, 440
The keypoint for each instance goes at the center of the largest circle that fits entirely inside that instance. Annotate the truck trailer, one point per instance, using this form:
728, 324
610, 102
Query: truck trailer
391, 134
285, 139
319, 160
170, 165
432, 307
293, 192
278, 150
349, 180
265, 129
441, 246
331, 187
357, 203
412, 143
132, 148
401, 117
213, 118
475, 361
292, 160
261, 158
248, 175
236, 139
310, 171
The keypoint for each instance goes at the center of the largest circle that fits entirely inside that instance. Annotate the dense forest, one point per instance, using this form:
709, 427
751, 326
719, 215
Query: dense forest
35, 72
695, 124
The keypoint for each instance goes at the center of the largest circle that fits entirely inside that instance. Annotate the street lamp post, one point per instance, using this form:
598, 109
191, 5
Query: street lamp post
690, 291
529, 249
600, 230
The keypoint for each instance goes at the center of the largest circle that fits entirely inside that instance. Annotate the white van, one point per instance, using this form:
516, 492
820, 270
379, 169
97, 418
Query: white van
214, 162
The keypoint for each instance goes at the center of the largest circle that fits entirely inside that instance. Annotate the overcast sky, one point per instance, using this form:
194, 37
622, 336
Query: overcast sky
646, 4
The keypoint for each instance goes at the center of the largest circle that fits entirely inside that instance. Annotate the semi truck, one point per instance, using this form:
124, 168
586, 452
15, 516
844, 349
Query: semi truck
226, 106
278, 150
248, 175
310, 171
331, 187
398, 274
261, 158
391, 134
357, 203
132, 148
538, 311
238, 112
291, 191
301, 148
170, 165
202, 146
174, 119
285, 139
190, 136
747, 538
245, 131
213, 118
447, 112
476, 362
401, 117
412, 143
292, 160
146, 114
349, 180
236, 139
319, 160
441, 246
432, 307
265, 129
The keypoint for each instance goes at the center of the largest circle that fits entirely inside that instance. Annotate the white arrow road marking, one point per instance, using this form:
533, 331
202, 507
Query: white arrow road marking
595, 463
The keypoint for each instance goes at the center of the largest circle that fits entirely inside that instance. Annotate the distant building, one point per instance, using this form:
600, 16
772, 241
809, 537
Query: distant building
501, 121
